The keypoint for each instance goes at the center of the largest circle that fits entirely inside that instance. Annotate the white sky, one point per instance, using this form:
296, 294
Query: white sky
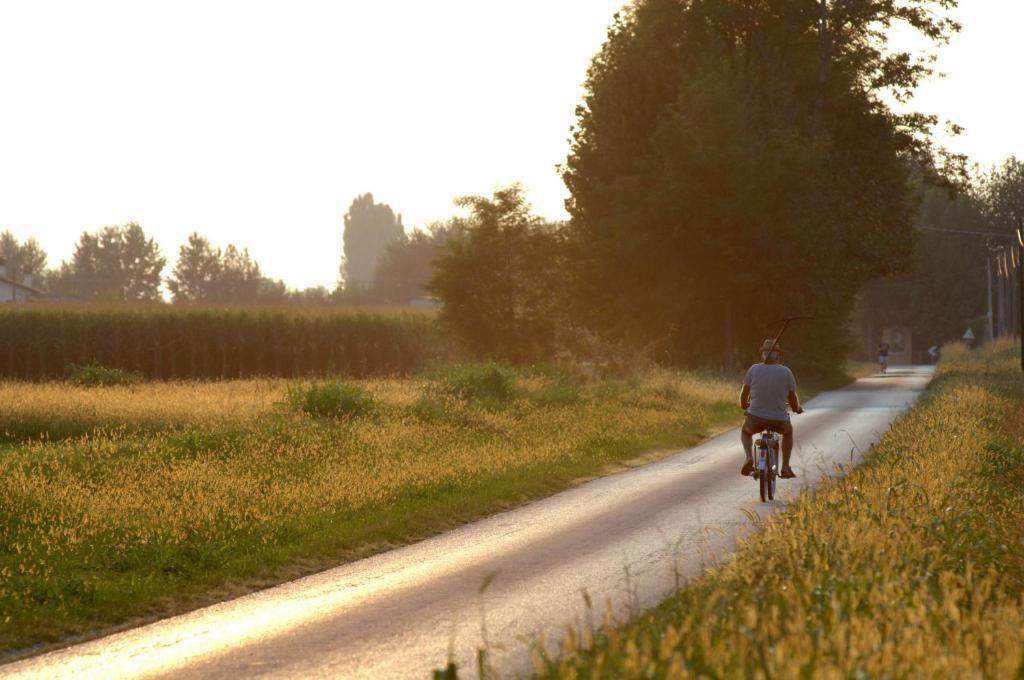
258, 122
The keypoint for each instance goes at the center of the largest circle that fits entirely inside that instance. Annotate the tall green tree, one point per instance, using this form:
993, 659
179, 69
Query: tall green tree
114, 264
498, 277
369, 228
23, 259
735, 161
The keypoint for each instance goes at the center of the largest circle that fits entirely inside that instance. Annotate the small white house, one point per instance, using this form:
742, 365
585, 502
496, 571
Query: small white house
12, 291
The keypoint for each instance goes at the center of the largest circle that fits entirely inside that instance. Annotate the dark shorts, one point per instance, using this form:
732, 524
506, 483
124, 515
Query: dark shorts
753, 424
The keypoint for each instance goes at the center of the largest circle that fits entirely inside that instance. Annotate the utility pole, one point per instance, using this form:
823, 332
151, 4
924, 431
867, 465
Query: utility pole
1020, 287
988, 272
989, 329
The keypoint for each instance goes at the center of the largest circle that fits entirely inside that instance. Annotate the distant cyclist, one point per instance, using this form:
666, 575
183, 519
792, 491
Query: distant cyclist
767, 390
883, 356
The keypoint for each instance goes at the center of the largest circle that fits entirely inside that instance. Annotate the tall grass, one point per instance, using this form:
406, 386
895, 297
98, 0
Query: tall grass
165, 496
910, 566
55, 411
168, 342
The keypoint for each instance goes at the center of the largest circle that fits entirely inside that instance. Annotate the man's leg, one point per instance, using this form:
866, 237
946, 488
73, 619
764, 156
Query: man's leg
748, 447
787, 451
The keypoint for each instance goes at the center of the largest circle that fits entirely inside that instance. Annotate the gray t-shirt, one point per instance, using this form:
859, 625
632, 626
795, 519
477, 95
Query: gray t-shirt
770, 385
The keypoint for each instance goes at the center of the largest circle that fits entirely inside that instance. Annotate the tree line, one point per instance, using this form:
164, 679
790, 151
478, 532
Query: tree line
732, 163
381, 264
120, 263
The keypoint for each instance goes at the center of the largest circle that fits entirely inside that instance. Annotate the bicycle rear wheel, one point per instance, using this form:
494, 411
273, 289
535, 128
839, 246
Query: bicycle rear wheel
764, 485
773, 475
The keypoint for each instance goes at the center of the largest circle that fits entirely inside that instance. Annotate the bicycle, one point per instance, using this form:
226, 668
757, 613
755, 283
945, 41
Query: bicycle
766, 464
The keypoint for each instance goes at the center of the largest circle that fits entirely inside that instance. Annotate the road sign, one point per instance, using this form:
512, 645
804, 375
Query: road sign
969, 335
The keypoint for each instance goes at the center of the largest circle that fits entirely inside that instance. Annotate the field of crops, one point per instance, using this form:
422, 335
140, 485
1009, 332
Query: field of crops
169, 342
131, 502
910, 566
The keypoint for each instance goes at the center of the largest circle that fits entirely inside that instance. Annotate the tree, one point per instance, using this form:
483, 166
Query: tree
735, 161
1002, 194
240, 280
369, 228
944, 288
272, 292
314, 295
23, 259
115, 264
207, 274
407, 264
496, 275
195, 275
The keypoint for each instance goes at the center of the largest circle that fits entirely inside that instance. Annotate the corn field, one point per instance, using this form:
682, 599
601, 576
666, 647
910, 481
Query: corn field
170, 343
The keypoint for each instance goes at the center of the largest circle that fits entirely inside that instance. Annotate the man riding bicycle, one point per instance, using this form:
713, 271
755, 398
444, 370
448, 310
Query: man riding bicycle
767, 389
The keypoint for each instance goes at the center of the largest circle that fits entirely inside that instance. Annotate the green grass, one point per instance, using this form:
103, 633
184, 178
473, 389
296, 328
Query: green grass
129, 503
910, 566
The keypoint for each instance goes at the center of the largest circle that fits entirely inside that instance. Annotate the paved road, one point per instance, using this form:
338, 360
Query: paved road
623, 539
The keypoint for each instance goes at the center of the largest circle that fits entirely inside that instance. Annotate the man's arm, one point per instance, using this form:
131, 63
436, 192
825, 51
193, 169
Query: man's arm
745, 397
794, 402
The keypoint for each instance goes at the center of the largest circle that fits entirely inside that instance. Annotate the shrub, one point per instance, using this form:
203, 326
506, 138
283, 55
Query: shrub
330, 399
553, 385
430, 407
487, 383
555, 394
94, 375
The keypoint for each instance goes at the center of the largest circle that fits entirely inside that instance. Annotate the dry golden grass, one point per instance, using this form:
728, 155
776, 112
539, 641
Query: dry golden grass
59, 407
910, 567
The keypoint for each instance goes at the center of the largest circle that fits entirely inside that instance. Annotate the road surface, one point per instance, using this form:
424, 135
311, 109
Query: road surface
624, 540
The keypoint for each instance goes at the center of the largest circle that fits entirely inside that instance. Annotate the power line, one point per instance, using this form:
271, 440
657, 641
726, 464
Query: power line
973, 234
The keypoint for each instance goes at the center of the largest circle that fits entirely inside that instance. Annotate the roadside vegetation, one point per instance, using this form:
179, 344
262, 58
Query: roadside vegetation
911, 565
127, 502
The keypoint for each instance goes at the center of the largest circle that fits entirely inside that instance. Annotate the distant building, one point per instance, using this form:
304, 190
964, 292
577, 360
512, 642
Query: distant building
12, 291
